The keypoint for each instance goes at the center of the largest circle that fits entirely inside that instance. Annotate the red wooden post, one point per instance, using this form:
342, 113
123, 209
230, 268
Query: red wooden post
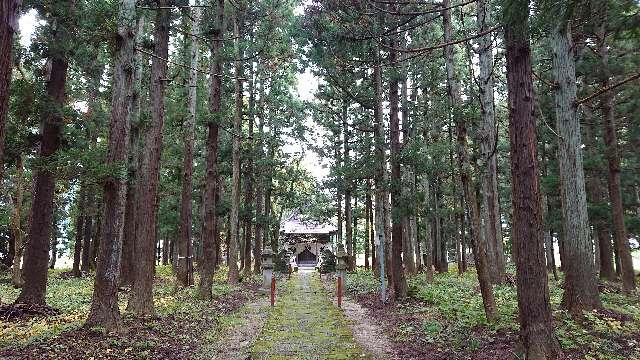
340, 291
273, 290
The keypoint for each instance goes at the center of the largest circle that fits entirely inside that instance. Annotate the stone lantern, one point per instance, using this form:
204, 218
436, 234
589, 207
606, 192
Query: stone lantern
267, 268
341, 267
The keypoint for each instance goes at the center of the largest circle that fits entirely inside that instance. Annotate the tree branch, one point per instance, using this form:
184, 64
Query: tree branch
608, 88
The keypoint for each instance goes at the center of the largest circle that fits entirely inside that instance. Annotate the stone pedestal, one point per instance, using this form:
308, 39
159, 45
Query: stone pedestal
341, 267
267, 270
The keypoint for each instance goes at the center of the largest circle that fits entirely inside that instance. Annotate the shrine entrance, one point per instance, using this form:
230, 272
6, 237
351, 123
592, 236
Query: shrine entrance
306, 259
305, 239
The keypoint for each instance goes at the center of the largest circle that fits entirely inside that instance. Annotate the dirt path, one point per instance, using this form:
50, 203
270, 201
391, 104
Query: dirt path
239, 331
305, 324
367, 333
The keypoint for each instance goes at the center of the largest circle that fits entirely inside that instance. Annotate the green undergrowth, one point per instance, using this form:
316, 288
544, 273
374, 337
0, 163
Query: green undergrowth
450, 314
304, 324
361, 282
72, 297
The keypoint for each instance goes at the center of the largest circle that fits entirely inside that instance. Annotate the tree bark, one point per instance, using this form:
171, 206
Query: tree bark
95, 243
413, 223
127, 262
348, 219
438, 240
490, 204
268, 189
536, 327
546, 234
54, 242
459, 230
397, 271
596, 196
613, 177
606, 253
463, 250
380, 180
406, 176
85, 263
233, 275
8, 27
354, 236
185, 248
348, 214
16, 225
546, 231
581, 288
249, 195
480, 247
36, 256
259, 245
79, 228
211, 187
165, 250
428, 243
104, 306
371, 236
367, 224
141, 300
339, 190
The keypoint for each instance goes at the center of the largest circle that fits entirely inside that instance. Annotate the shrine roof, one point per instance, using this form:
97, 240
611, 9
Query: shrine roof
297, 224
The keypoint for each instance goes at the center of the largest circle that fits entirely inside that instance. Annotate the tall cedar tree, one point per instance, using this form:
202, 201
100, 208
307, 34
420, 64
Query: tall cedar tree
127, 262
257, 248
397, 271
104, 306
596, 193
8, 27
233, 275
536, 327
488, 144
36, 257
87, 231
249, 198
141, 300
380, 170
408, 247
209, 198
348, 213
79, 231
607, 106
581, 288
367, 223
16, 225
185, 260
480, 248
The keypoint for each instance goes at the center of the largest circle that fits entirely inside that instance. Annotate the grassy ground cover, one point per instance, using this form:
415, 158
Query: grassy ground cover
181, 327
445, 319
305, 324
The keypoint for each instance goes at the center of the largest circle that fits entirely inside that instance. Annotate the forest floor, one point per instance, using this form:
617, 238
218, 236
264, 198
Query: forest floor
183, 328
439, 320
445, 320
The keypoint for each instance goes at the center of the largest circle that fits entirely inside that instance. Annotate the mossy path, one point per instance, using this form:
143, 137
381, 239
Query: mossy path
305, 324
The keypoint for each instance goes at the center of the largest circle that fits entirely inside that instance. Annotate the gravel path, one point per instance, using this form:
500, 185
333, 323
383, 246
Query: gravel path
367, 332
